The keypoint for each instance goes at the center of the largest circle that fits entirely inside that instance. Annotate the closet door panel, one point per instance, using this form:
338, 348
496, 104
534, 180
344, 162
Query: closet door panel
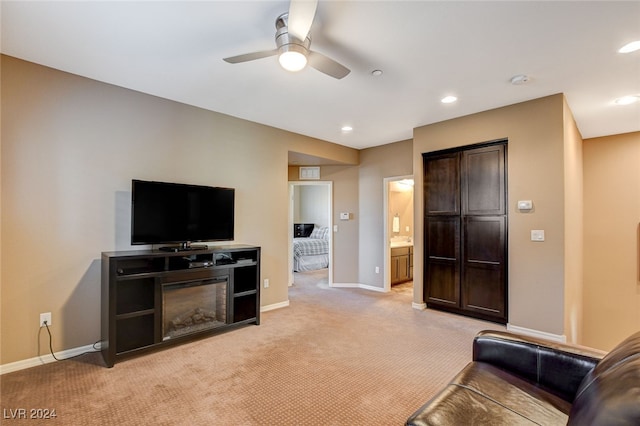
442, 260
442, 184
443, 284
483, 182
443, 238
484, 269
483, 291
484, 240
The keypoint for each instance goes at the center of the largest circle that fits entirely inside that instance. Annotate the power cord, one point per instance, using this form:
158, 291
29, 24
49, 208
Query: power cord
71, 357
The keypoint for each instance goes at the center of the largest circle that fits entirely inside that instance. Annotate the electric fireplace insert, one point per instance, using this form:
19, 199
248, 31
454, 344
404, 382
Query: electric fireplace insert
194, 306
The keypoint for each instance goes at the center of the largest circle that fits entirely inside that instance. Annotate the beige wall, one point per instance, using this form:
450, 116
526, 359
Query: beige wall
70, 147
536, 171
359, 243
376, 164
345, 199
345, 241
612, 235
573, 228
1, 185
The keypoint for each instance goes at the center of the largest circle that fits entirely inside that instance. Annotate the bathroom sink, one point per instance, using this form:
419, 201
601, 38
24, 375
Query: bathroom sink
404, 243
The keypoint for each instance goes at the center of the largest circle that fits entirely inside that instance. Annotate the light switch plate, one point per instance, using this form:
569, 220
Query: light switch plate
525, 205
537, 235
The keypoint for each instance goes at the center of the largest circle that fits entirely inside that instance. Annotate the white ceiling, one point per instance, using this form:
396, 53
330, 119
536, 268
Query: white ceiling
426, 50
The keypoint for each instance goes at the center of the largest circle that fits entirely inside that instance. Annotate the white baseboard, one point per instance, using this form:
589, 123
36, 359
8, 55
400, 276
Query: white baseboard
420, 306
274, 306
46, 359
345, 285
561, 338
372, 288
362, 286
68, 353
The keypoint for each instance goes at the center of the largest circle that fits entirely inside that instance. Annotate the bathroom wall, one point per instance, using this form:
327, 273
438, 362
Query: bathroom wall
401, 204
310, 205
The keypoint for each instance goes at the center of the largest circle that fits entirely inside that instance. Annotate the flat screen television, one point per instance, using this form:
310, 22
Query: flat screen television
169, 213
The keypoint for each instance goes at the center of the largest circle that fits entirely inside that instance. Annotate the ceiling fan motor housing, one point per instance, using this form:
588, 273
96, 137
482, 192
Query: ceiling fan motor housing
288, 43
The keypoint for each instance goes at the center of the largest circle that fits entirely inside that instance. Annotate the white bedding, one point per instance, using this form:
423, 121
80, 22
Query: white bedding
311, 253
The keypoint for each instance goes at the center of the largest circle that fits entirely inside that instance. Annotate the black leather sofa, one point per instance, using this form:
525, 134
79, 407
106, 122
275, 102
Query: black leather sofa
516, 380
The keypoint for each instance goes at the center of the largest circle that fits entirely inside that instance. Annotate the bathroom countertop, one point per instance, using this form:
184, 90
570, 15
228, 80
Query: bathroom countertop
395, 244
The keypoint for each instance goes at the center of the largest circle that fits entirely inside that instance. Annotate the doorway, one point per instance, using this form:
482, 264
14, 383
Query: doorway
398, 228
317, 209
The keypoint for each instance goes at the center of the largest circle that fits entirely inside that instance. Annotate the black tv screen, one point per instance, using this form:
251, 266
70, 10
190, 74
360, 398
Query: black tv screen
164, 212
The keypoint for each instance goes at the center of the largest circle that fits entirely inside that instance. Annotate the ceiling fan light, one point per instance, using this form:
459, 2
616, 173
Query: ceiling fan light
630, 47
292, 60
627, 100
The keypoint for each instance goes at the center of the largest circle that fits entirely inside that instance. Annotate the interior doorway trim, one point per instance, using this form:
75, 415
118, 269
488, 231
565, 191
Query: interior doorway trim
386, 236
329, 188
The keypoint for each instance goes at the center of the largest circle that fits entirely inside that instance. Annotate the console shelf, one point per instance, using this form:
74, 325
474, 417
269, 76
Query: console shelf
139, 287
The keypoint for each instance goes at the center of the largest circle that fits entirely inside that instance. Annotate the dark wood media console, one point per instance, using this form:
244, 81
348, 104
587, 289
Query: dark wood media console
152, 299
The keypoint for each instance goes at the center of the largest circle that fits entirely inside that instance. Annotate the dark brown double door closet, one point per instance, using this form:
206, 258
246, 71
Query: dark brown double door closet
465, 231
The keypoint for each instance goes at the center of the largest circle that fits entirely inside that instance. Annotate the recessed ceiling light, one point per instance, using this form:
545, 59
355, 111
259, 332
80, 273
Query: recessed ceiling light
627, 100
519, 79
630, 47
376, 73
346, 129
448, 99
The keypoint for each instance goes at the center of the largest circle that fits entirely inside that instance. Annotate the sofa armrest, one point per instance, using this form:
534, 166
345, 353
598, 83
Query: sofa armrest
556, 367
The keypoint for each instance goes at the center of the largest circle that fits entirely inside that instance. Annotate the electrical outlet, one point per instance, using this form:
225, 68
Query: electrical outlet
266, 283
45, 317
377, 269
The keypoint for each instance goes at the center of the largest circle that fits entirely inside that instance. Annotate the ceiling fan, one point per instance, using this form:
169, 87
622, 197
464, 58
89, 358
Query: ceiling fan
293, 43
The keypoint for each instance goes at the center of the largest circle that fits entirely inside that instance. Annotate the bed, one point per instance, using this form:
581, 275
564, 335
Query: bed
312, 252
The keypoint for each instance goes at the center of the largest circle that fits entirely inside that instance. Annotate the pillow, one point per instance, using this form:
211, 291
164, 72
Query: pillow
321, 233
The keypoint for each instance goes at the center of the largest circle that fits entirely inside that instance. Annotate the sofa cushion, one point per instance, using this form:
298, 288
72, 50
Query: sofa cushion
483, 394
610, 393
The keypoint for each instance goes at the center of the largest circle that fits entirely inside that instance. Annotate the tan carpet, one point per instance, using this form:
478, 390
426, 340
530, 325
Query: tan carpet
334, 357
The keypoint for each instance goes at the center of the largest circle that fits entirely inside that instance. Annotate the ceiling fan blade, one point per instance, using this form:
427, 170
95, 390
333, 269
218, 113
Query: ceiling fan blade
327, 65
301, 14
251, 56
